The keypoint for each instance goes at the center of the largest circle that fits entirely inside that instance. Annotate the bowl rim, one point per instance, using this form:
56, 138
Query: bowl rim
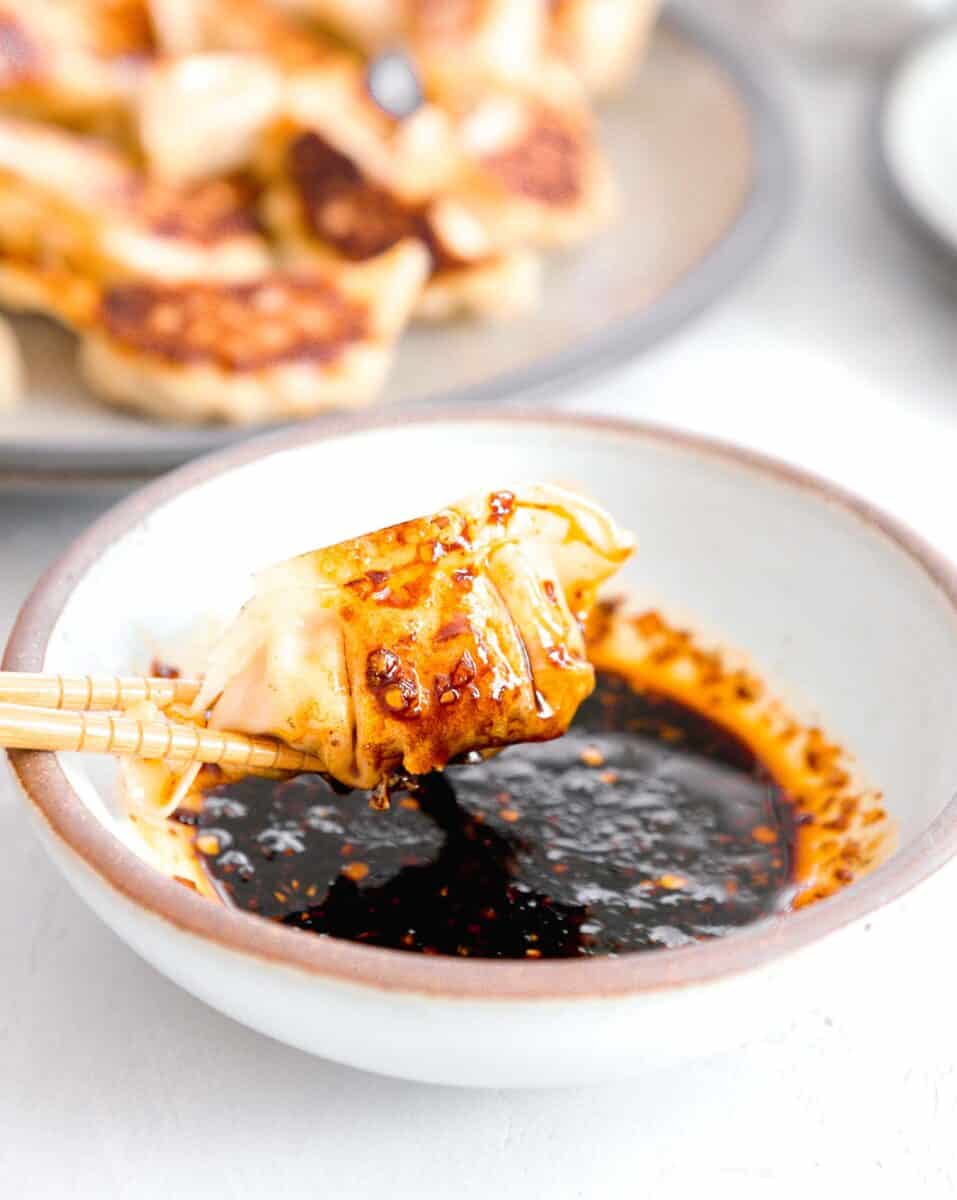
47, 788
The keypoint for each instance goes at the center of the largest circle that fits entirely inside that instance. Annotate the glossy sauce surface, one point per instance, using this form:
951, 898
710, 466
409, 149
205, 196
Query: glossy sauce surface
646, 826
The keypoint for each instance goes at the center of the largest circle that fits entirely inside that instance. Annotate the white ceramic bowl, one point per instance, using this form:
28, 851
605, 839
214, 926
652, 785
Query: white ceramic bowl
849, 618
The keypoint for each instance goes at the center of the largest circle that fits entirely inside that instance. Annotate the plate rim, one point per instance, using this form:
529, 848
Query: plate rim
760, 218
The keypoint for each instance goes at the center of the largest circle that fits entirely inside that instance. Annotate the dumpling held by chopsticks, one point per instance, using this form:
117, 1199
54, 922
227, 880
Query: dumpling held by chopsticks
406, 648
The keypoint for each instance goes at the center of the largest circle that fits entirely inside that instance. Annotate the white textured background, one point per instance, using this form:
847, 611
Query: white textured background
840, 353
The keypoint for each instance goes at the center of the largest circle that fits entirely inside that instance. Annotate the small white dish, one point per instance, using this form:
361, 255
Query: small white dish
917, 138
847, 616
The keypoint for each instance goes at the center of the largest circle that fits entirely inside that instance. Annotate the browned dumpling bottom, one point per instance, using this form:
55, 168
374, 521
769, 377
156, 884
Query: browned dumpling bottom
288, 343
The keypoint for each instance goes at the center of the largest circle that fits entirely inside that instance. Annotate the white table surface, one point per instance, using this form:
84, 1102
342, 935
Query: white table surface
840, 353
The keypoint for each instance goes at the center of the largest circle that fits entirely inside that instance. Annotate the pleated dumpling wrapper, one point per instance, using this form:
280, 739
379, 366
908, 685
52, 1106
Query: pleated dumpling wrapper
407, 648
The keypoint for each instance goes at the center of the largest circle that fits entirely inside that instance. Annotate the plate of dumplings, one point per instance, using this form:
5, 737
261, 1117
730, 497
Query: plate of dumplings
219, 215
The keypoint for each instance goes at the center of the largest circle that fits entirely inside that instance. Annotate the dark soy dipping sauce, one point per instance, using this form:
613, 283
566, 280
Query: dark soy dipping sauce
645, 826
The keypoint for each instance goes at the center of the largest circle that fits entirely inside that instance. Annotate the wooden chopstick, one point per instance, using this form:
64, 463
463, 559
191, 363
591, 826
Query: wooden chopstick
27, 728
94, 692
68, 712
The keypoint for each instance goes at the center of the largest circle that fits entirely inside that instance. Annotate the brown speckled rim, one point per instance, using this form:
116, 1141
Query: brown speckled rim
47, 788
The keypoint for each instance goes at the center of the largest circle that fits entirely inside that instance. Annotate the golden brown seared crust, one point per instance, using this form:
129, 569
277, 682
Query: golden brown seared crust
412, 157
435, 661
73, 208
547, 164
434, 688
238, 327
538, 176
352, 215
205, 213
321, 207
423, 641
338, 204
289, 344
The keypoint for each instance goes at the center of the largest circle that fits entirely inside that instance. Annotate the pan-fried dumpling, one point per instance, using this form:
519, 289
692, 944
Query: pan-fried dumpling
411, 155
536, 173
288, 344
406, 648
345, 180
53, 188
322, 207
74, 214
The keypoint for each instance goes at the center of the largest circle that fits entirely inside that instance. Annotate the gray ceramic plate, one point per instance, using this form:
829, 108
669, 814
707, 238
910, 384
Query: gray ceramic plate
705, 164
